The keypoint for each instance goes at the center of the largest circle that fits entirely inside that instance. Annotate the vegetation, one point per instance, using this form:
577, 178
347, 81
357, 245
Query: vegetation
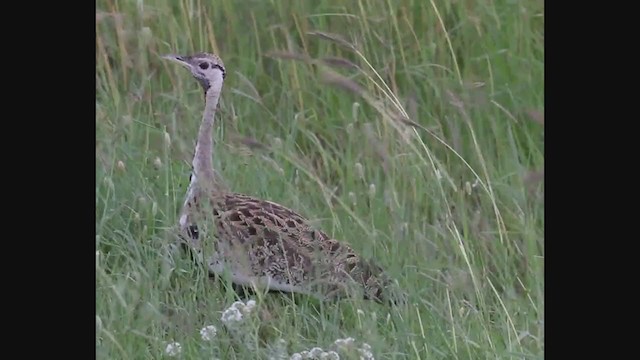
412, 130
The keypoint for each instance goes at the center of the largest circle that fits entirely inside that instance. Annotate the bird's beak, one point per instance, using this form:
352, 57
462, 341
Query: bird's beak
179, 59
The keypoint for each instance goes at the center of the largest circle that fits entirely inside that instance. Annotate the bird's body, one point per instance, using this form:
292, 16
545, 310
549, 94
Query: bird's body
260, 243
264, 244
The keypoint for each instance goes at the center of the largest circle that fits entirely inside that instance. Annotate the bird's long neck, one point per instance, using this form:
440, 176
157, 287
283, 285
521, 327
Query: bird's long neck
202, 159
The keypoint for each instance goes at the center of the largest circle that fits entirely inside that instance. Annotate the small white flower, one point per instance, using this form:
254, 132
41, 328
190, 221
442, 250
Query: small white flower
231, 315
237, 305
296, 356
173, 349
365, 352
305, 354
345, 342
250, 305
315, 352
330, 355
360, 312
208, 332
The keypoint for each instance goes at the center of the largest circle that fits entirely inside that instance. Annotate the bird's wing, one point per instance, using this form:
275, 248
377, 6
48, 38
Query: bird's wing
261, 220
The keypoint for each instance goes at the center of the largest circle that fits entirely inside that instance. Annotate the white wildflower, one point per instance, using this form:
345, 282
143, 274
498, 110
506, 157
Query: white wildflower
237, 310
365, 352
208, 332
250, 304
360, 312
315, 352
231, 315
330, 355
238, 305
173, 349
343, 343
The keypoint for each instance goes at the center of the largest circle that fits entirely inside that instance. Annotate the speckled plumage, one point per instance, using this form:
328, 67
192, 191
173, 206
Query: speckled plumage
269, 246
262, 244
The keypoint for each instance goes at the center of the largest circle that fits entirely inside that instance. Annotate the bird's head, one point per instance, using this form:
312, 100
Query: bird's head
208, 69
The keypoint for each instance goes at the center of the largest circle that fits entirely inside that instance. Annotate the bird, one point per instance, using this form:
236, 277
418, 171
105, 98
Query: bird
261, 244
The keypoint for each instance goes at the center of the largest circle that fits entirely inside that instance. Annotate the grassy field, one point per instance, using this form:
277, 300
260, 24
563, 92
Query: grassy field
412, 130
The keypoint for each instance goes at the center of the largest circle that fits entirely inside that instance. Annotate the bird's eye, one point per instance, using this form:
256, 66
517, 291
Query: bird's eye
204, 66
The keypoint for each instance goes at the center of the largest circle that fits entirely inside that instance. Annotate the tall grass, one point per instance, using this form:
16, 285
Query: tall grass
409, 129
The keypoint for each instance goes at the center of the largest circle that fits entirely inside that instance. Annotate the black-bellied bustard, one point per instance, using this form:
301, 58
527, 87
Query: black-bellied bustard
259, 243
